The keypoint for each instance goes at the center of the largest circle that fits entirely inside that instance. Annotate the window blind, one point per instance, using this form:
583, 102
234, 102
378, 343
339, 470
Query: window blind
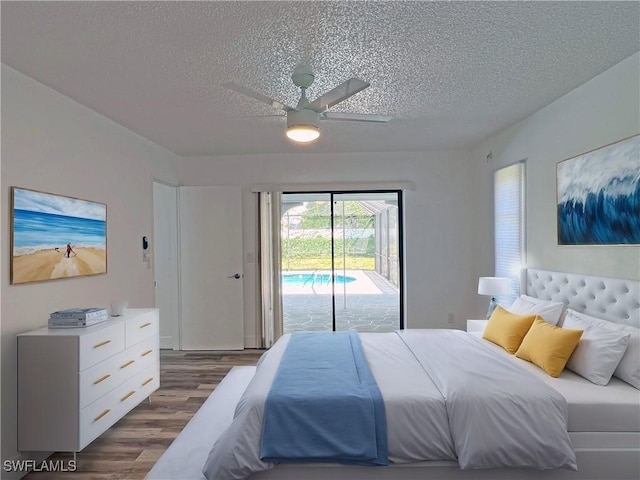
509, 226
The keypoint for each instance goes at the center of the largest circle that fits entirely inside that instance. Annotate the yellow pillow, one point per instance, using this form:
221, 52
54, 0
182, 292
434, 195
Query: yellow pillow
548, 346
507, 329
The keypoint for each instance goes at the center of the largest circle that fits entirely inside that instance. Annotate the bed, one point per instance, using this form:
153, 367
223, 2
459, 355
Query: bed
602, 422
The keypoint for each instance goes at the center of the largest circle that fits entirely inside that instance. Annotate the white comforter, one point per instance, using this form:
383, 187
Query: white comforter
499, 415
446, 396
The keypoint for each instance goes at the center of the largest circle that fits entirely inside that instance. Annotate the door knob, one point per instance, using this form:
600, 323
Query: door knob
235, 275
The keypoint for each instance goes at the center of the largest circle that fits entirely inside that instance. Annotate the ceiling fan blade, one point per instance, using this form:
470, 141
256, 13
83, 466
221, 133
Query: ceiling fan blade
338, 94
249, 117
356, 117
256, 95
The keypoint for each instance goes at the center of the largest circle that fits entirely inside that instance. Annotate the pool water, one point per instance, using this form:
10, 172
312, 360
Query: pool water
302, 279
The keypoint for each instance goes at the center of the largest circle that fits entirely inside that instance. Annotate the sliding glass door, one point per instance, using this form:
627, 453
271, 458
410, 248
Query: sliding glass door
306, 250
341, 261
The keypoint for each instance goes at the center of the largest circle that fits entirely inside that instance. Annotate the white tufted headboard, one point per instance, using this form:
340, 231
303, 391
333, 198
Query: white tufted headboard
612, 299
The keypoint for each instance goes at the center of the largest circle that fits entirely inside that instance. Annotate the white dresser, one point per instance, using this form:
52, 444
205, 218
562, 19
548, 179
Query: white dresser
74, 383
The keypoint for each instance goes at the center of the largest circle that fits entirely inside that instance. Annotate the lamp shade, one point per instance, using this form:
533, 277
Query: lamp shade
303, 133
493, 286
303, 125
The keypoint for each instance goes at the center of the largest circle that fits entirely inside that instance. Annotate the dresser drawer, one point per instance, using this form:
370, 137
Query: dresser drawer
141, 327
148, 381
100, 345
98, 417
104, 412
147, 353
105, 376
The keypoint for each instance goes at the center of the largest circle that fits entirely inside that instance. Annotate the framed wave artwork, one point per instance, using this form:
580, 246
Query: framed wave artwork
55, 236
598, 196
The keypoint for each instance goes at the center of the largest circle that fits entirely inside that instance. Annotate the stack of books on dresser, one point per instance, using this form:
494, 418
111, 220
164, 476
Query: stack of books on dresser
77, 317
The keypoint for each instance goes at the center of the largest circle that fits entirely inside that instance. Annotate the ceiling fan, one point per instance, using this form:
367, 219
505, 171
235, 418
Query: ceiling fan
303, 120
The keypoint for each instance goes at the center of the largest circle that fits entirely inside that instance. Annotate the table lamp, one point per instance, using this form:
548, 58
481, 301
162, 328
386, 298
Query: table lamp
493, 286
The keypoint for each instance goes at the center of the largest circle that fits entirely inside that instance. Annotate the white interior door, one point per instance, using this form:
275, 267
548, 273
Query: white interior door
211, 268
165, 260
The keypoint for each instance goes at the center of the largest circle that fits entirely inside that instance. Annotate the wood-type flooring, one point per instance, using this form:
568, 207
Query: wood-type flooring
130, 448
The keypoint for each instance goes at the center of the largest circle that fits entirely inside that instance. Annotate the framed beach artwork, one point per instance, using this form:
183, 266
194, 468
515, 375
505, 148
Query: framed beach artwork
598, 196
55, 236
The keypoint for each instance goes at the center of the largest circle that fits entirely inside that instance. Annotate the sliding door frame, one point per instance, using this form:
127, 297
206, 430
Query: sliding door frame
399, 198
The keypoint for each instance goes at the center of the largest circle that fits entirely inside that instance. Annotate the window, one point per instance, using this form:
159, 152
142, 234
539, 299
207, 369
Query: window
509, 226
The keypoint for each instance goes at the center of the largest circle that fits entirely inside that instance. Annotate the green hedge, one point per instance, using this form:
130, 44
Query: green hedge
315, 252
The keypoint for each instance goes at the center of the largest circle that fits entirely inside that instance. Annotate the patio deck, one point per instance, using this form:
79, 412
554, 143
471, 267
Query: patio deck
373, 307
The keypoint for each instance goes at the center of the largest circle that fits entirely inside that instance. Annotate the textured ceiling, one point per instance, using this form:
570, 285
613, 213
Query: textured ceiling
451, 73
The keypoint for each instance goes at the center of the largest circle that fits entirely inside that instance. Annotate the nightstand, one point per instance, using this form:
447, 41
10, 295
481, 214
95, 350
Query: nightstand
476, 326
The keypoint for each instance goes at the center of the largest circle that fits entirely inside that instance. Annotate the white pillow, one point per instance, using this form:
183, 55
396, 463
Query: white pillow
628, 369
599, 350
549, 311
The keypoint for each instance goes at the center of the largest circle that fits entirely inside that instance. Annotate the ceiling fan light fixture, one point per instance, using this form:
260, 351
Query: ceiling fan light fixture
303, 125
303, 120
303, 133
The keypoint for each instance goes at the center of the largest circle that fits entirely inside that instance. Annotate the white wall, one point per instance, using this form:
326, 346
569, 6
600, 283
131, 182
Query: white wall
603, 110
440, 275
56, 145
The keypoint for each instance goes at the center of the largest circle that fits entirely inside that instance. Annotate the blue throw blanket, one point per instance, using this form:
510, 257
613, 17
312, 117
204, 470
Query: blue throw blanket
324, 404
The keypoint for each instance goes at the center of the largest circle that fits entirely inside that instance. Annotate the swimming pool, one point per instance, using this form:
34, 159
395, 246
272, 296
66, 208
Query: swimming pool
302, 279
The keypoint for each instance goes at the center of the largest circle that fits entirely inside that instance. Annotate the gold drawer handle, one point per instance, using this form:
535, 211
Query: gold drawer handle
127, 395
102, 344
101, 415
145, 324
101, 379
146, 353
146, 382
127, 364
